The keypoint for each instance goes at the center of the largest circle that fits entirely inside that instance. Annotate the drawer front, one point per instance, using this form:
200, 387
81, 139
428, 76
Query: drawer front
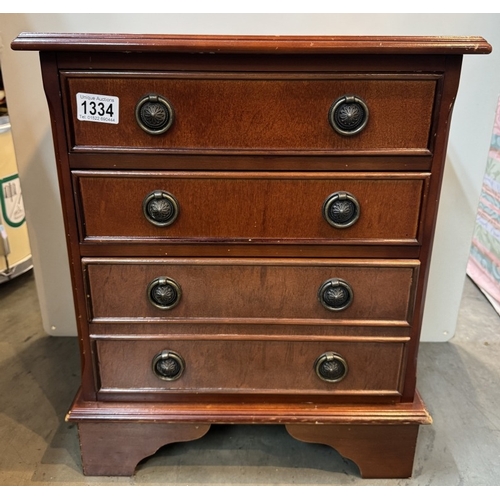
248, 208
241, 290
271, 367
256, 112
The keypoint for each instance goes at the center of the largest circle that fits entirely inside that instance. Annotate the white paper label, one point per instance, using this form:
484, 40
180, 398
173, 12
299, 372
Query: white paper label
97, 108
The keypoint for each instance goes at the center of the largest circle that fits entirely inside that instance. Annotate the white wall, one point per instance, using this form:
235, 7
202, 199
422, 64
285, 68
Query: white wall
468, 146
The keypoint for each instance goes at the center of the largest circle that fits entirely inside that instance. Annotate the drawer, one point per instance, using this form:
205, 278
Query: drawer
253, 112
256, 367
286, 291
249, 207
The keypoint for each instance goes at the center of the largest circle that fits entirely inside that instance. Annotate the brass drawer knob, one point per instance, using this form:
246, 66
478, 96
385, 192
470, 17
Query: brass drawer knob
160, 208
348, 115
154, 114
331, 367
335, 294
168, 365
341, 209
164, 293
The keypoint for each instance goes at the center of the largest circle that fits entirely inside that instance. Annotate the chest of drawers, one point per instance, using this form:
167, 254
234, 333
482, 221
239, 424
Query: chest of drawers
249, 223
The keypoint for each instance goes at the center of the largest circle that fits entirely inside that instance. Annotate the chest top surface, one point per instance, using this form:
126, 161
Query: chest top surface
103, 42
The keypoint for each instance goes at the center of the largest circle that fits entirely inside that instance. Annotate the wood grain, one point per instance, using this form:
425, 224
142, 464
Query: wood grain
253, 367
379, 451
116, 42
248, 207
271, 291
248, 331
111, 449
349, 161
248, 112
257, 412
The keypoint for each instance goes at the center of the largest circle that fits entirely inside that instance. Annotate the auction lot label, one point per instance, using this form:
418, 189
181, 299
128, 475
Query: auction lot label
97, 108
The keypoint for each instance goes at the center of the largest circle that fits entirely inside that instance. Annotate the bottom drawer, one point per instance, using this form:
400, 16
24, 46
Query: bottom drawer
216, 367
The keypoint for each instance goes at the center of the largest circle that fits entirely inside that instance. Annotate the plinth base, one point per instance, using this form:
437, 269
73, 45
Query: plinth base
380, 439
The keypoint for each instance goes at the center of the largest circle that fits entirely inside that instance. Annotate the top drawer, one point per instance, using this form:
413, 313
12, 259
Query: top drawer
251, 112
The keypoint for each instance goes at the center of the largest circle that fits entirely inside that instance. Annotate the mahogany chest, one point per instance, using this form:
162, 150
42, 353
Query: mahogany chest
249, 223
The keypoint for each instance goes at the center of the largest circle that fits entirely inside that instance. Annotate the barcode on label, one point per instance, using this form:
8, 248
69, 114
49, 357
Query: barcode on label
97, 108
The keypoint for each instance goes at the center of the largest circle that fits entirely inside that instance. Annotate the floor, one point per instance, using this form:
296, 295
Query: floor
39, 375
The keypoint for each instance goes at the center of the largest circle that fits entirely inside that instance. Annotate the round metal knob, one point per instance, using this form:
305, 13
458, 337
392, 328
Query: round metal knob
335, 294
168, 365
164, 293
154, 114
341, 209
348, 115
160, 208
331, 367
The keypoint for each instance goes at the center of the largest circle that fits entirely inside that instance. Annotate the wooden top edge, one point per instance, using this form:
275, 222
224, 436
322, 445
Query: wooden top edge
102, 42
